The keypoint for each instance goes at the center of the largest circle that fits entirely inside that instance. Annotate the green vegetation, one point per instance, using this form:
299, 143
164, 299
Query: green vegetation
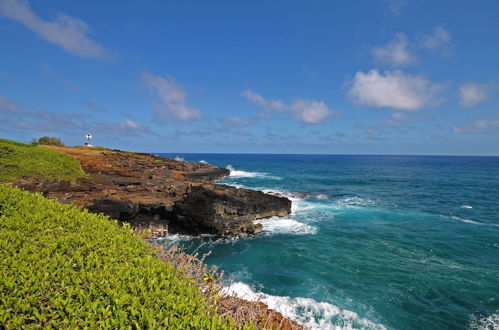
63, 267
19, 160
49, 141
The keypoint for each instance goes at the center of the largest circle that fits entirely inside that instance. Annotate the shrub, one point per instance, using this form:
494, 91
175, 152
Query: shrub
49, 141
19, 160
63, 267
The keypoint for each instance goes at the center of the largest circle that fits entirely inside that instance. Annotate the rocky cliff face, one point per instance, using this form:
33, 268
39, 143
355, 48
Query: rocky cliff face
165, 196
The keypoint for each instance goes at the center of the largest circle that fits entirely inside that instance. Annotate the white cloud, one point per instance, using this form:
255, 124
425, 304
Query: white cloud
478, 126
395, 7
394, 89
8, 107
398, 119
472, 94
439, 40
395, 52
172, 98
310, 111
237, 121
262, 102
306, 111
67, 32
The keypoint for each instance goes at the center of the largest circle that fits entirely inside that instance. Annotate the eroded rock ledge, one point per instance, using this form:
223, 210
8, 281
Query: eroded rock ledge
162, 195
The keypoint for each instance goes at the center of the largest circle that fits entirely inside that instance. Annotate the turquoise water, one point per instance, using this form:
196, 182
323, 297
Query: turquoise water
396, 242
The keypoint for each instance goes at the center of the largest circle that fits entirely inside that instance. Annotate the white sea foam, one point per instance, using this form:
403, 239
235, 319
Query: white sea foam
466, 207
297, 200
243, 174
179, 159
353, 202
175, 238
306, 311
321, 196
277, 225
490, 322
466, 220
203, 161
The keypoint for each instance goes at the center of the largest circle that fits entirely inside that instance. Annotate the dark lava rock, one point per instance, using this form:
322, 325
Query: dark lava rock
227, 211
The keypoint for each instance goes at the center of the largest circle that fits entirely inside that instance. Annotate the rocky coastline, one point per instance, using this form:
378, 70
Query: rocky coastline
163, 196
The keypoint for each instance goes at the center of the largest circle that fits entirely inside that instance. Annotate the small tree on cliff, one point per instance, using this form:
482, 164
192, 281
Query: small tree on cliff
48, 140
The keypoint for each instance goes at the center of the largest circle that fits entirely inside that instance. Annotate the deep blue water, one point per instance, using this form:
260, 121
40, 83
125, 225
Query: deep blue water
397, 242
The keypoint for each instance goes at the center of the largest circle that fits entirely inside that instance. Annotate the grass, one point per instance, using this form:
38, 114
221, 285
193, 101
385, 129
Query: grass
18, 160
63, 267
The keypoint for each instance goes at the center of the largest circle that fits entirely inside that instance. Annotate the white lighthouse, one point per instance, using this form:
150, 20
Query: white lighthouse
88, 137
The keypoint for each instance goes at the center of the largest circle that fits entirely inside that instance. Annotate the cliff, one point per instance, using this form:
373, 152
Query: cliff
161, 195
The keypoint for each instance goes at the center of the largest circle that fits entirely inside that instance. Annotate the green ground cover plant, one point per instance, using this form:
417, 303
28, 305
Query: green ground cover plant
63, 267
18, 160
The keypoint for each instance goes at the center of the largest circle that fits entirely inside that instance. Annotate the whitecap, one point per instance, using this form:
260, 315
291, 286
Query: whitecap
179, 159
306, 311
203, 162
277, 225
466, 207
243, 174
321, 196
486, 323
466, 220
353, 202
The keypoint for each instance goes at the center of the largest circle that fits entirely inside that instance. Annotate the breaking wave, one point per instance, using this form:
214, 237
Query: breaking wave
306, 311
486, 323
354, 202
243, 174
286, 226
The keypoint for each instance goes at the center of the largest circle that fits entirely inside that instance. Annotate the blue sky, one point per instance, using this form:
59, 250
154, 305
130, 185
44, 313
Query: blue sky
334, 77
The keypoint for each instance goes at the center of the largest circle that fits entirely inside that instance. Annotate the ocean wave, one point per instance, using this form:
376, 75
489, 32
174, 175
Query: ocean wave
354, 202
203, 162
243, 174
466, 220
277, 225
466, 207
485, 323
297, 200
322, 196
179, 159
306, 311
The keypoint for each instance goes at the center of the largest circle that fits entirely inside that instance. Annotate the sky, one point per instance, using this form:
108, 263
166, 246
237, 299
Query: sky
321, 77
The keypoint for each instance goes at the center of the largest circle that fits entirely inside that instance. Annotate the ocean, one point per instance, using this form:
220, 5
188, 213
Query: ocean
373, 242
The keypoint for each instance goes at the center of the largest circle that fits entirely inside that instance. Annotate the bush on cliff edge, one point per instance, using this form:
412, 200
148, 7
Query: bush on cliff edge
18, 160
63, 267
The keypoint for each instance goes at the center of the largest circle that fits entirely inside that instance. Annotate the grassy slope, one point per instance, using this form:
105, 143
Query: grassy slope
63, 267
19, 160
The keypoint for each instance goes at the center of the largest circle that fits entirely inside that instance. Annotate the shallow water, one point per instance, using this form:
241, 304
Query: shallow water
373, 242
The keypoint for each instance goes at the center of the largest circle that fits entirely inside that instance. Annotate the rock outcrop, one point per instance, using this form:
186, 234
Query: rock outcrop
161, 195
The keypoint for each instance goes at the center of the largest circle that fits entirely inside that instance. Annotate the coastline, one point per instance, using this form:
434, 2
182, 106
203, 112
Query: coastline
112, 186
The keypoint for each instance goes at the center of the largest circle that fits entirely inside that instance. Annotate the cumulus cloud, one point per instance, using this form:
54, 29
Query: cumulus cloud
8, 107
395, 52
305, 111
472, 94
439, 40
393, 89
172, 99
478, 126
67, 32
262, 102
